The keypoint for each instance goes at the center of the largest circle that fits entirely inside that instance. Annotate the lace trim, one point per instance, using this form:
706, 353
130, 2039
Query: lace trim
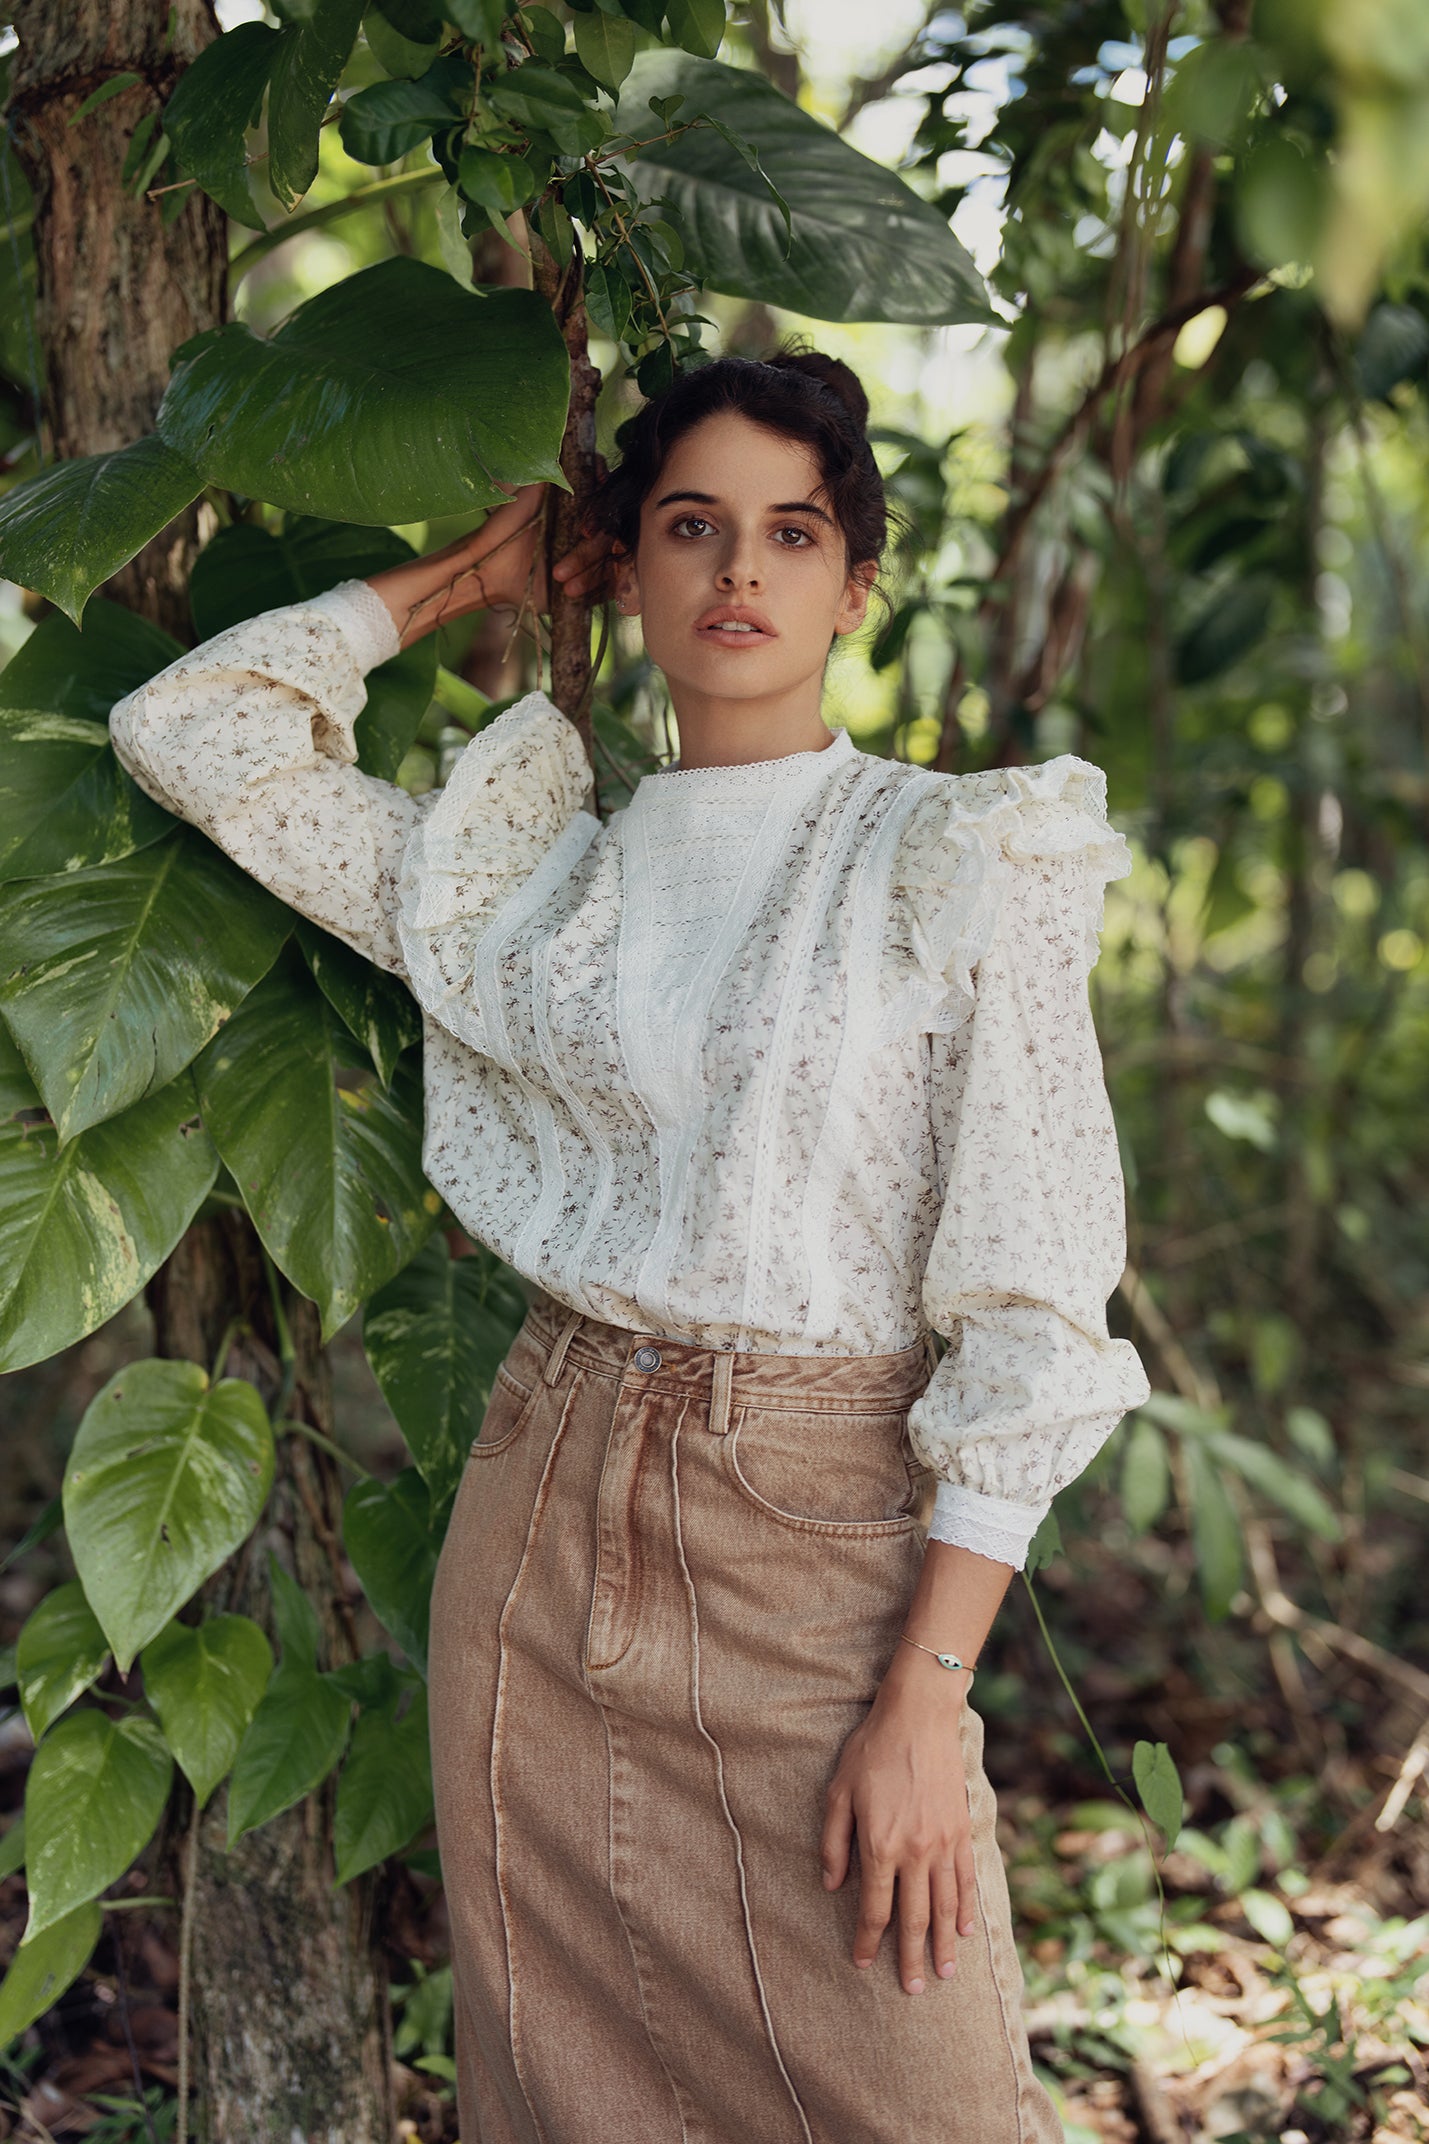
717, 779
364, 621
988, 1525
1056, 809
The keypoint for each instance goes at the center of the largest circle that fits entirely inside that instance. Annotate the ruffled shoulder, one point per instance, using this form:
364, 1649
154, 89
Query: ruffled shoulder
962, 847
510, 797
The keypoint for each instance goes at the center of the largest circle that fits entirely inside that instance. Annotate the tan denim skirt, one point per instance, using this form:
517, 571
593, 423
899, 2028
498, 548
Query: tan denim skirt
672, 1583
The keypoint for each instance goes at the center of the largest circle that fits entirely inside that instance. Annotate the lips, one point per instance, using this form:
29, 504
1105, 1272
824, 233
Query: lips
735, 625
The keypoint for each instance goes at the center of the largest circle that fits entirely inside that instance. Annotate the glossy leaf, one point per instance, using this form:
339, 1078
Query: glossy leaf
42, 1969
864, 246
205, 1680
605, 46
111, 987
66, 531
538, 97
311, 52
96, 1788
376, 1009
219, 97
66, 804
381, 124
331, 1176
434, 1337
698, 25
245, 570
167, 1475
387, 1534
61, 1650
63, 669
82, 1227
292, 1742
12, 1846
384, 1796
386, 398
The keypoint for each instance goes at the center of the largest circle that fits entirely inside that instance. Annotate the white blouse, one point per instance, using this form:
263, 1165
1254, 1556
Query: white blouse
795, 1057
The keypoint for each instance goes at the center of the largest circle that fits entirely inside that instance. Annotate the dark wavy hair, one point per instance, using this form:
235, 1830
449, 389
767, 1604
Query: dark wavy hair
802, 393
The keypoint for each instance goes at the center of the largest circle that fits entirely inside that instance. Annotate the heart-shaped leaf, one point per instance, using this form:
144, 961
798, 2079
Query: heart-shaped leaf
293, 1740
377, 1010
208, 118
434, 1337
113, 980
391, 397
1159, 1784
864, 246
60, 1651
63, 669
384, 1796
331, 1175
205, 1680
66, 531
42, 1969
95, 1791
83, 1226
66, 804
388, 1537
167, 1475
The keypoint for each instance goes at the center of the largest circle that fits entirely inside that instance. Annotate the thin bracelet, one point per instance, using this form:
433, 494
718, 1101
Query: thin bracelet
944, 1660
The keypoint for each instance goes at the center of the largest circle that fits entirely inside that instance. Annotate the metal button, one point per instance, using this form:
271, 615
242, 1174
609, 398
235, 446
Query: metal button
647, 1358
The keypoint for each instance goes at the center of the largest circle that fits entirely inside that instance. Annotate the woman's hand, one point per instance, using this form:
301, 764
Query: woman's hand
901, 1786
500, 566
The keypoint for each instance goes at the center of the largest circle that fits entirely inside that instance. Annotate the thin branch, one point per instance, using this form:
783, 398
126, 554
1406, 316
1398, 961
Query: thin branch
313, 218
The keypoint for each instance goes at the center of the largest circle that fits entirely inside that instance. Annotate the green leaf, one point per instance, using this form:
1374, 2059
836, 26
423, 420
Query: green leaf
393, 396
293, 1741
205, 1680
500, 183
1228, 625
546, 31
388, 1538
1279, 1480
41, 1970
1182, 1415
435, 1337
478, 20
1145, 1474
166, 1477
12, 1847
245, 570
64, 669
698, 25
536, 96
66, 531
1215, 1531
95, 1791
1159, 1784
1046, 1544
114, 87
208, 117
864, 245
384, 1796
377, 1010
66, 804
605, 46
404, 58
331, 1176
1269, 1916
1393, 347
112, 985
60, 1651
84, 1226
381, 124
299, 1630
310, 55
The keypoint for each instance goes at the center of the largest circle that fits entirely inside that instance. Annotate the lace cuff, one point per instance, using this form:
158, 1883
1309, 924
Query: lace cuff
988, 1525
364, 621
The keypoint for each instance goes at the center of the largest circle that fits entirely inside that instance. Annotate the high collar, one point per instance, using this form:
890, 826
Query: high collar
745, 783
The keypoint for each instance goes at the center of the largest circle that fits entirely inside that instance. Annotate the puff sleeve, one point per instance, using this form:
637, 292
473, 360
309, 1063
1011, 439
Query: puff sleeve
1006, 897
250, 737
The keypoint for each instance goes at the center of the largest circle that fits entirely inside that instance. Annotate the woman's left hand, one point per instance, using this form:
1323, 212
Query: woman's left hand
901, 1786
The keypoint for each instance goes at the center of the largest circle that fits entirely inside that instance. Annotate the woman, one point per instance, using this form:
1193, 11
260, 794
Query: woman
786, 1064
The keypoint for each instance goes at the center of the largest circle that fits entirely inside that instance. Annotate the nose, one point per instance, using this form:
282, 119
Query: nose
738, 568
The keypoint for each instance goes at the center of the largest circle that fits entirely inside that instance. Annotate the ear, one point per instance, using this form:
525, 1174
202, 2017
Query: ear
853, 604
627, 580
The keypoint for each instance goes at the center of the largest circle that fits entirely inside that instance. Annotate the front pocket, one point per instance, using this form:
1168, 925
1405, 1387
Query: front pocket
840, 1472
507, 1412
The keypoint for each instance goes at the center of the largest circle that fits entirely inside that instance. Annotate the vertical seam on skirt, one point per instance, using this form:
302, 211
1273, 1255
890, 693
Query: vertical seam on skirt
496, 1726
998, 1960
794, 2098
620, 1916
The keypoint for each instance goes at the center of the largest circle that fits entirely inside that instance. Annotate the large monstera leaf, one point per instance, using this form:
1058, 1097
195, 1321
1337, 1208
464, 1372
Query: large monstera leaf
330, 1167
245, 570
863, 245
391, 397
83, 1226
112, 980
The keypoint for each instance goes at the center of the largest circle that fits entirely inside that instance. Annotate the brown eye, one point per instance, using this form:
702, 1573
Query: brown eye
684, 522
803, 534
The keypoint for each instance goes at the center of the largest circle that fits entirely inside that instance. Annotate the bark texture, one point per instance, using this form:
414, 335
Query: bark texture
116, 291
290, 2024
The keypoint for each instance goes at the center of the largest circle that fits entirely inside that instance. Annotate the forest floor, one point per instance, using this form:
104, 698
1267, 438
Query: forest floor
1267, 1979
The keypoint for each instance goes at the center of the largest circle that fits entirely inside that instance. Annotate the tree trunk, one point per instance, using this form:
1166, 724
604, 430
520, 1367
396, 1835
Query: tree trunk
289, 2004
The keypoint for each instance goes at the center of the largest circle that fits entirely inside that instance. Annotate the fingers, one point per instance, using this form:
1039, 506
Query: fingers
945, 1889
837, 1838
875, 1905
912, 1926
936, 1903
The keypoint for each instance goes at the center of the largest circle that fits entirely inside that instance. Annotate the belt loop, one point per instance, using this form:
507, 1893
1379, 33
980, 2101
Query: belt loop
721, 1385
555, 1361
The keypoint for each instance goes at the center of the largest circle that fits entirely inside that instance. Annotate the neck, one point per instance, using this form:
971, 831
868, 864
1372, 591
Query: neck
717, 732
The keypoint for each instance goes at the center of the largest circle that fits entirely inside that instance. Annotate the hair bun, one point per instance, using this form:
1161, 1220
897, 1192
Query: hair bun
831, 372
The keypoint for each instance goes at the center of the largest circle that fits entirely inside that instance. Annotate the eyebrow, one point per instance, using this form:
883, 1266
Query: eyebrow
707, 498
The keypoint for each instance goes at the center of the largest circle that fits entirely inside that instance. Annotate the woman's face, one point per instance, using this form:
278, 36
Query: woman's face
737, 521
